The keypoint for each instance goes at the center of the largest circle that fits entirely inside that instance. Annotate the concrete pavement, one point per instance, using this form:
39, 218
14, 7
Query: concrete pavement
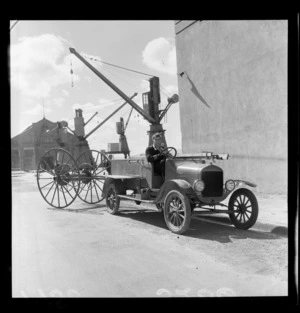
83, 251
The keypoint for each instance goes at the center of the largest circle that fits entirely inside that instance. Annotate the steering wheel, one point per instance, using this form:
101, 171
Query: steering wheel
167, 154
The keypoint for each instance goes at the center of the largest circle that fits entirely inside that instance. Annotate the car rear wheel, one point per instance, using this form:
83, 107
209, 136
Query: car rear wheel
112, 200
244, 205
177, 212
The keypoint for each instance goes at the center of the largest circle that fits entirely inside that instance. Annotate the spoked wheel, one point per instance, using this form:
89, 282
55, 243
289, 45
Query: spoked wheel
94, 167
112, 200
244, 204
58, 178
177, 212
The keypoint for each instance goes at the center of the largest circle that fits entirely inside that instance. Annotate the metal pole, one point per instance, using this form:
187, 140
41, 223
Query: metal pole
171, 100
114, 87
91, 118
128, 119
113, 113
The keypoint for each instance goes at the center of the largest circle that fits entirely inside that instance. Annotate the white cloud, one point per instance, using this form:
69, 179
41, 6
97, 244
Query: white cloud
160, 54
40, 63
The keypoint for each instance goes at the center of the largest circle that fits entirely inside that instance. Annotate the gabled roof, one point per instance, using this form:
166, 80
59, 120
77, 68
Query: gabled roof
39, 124
39, 128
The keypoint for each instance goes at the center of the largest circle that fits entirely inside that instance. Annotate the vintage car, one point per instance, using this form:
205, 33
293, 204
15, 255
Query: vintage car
190, 182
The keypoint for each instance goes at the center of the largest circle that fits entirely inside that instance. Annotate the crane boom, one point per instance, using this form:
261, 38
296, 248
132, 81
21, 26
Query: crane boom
114, 87
90, 119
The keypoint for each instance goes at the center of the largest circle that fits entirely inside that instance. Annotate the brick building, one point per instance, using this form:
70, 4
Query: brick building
28, 147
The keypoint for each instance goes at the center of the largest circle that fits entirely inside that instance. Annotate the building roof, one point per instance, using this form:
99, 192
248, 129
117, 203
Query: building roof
42, 123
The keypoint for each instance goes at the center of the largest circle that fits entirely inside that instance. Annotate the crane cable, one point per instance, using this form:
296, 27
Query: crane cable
124, 68
118, 77
164, 90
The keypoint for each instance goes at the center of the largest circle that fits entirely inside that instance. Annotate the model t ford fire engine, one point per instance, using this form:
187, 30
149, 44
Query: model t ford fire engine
190, 182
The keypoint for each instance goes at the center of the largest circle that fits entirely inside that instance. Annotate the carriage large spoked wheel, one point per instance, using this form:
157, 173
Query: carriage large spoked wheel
58, 178
94, 166
244, 204
177, 212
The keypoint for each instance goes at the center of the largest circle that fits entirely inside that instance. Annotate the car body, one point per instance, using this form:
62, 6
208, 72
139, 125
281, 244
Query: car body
190, 182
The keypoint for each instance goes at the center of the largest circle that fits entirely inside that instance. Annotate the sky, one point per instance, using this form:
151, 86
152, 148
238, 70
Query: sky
47, 80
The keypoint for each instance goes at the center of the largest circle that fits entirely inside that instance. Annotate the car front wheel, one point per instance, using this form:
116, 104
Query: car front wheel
177, 212
244, 205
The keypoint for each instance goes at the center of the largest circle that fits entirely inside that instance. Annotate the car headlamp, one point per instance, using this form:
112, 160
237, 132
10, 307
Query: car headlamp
229, 185
199, 185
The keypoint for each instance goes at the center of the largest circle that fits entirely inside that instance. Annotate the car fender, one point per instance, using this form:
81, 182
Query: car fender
178, 184
111, 180
239, 183
244, 187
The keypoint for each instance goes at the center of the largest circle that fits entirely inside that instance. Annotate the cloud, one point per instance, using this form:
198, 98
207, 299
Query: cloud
160, 54
40, 63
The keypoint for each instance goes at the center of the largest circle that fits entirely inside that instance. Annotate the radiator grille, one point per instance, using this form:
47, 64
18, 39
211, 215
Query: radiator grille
213, 184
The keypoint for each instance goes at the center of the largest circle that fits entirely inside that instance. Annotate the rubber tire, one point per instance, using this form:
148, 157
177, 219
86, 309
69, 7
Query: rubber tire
254, 204
187, 210
112, 210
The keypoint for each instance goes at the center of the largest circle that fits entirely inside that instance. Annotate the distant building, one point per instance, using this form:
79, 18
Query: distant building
232, 81
28, 147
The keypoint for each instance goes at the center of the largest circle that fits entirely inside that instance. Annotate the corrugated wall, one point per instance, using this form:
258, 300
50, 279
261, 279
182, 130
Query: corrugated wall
233, 96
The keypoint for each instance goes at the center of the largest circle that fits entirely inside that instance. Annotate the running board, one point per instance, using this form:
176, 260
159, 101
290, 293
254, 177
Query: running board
212, 212
135, 199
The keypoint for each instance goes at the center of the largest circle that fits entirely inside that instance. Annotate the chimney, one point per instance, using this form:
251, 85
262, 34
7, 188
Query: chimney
79, 123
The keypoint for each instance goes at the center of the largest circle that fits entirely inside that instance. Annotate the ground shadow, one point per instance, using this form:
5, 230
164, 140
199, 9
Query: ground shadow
202, 229
198, 228
75, 208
